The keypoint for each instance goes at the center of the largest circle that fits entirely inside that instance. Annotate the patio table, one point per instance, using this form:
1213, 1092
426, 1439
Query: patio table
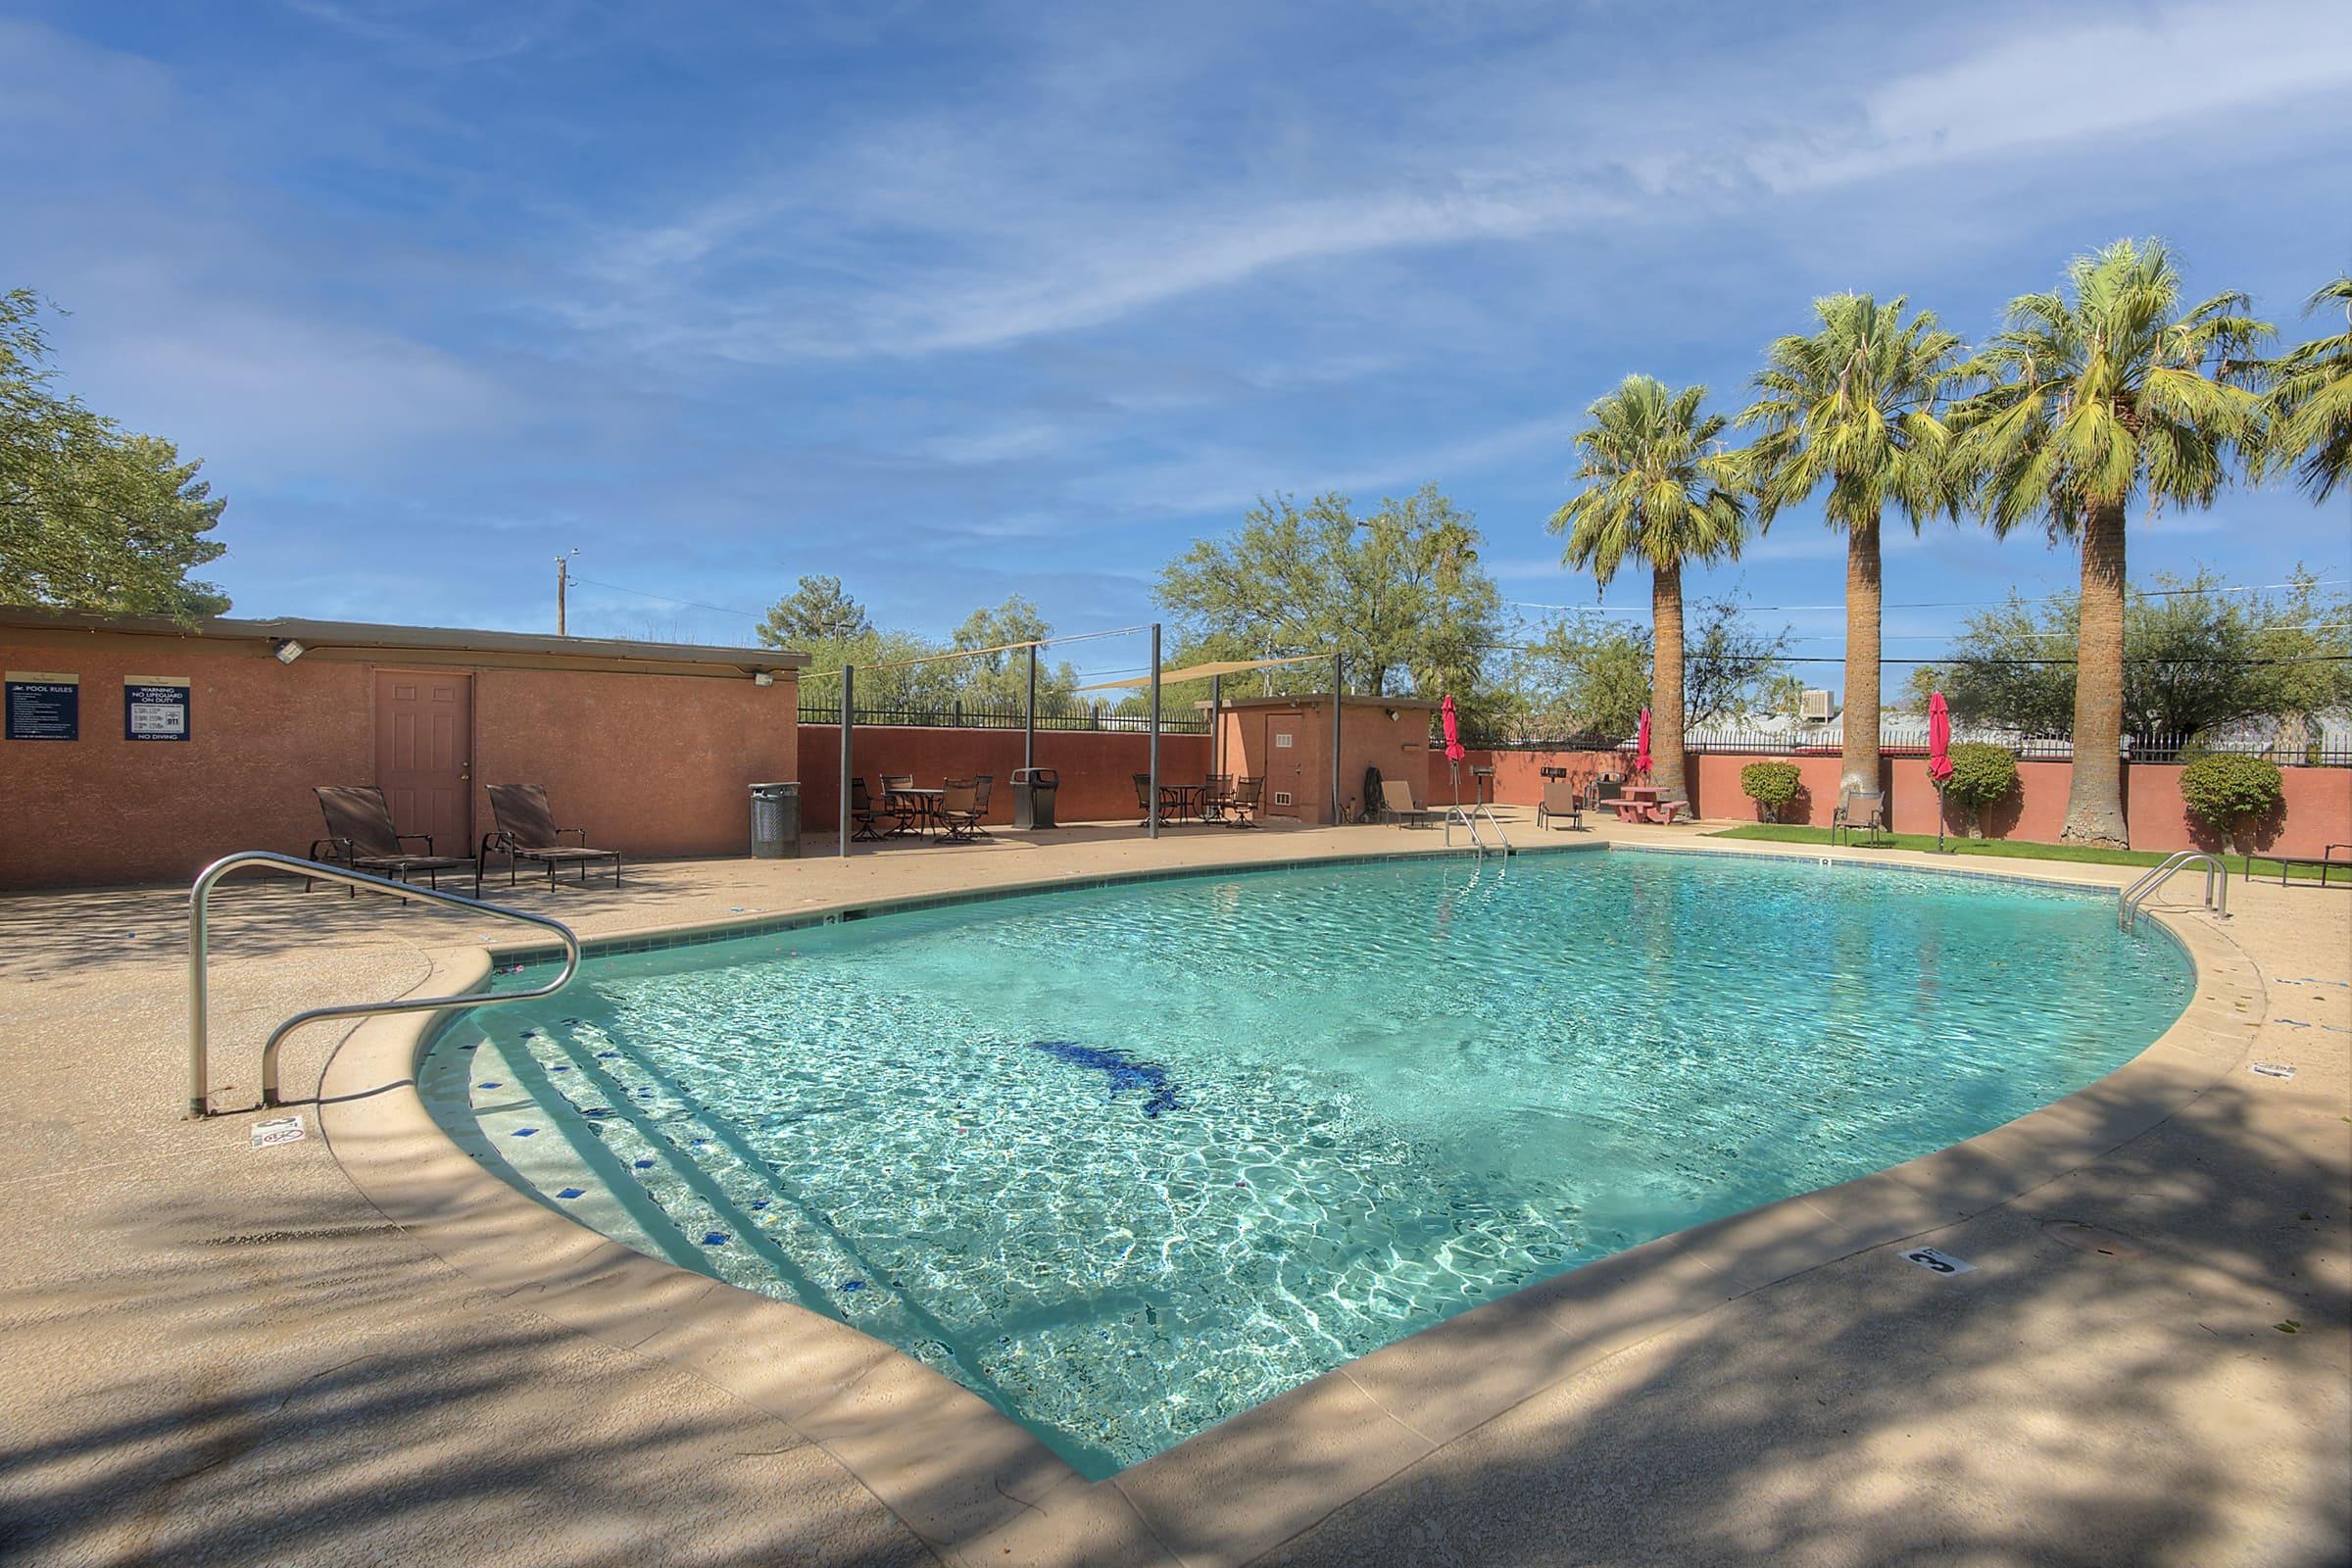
922, 804
1642, 802
1181, 800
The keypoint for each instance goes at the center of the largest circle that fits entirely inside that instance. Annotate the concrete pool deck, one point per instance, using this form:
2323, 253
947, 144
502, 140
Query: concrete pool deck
214, 1353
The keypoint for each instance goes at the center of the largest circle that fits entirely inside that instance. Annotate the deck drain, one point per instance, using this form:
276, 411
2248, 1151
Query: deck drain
2092, 1238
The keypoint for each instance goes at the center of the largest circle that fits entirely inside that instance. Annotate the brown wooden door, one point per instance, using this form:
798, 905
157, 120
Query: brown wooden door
1286, 773
425, 754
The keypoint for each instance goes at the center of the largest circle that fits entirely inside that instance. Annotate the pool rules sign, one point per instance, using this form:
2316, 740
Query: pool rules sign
43, 706
155, 707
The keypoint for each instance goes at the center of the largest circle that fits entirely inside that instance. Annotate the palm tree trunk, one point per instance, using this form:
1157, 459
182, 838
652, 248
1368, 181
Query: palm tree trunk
1859, 768
2095, 806
1666, 684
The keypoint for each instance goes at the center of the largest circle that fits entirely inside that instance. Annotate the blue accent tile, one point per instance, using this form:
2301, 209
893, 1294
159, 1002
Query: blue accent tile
853, 1284
571, 1192
645, 1164
489, 1083
715, 1239
522, 1132
759, 1202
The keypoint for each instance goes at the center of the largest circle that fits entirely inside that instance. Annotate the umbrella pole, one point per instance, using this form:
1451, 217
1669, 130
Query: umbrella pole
1939, 816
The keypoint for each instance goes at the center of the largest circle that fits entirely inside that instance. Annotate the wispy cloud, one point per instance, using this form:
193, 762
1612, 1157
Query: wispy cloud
739, 274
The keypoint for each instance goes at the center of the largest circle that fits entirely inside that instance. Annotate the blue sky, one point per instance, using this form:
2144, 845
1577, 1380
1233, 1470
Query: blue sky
959, 300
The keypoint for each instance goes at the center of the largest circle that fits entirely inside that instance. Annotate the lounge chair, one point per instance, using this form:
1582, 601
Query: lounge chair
527, 831
960, 809
360, 833
1397, 804
1242, 803
1861, 812
1559, 804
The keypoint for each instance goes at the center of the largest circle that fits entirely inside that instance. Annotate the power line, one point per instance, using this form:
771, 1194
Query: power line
1969, 603
691, 603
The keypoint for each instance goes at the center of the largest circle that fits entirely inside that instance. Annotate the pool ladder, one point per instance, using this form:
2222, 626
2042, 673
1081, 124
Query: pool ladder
200, 895
2217, 886
1470, 816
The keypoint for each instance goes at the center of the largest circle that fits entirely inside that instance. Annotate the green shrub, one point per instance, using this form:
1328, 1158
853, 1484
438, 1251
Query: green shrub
1772, 786
2224, 789
1983, 775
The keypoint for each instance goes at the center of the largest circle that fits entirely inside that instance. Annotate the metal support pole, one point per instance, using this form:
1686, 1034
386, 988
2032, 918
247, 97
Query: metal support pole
1338, 685
1216, 724
848, 712
1029, 715
1152, 817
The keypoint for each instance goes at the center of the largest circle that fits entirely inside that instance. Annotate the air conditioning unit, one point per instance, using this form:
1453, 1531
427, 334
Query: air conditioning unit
1818, 708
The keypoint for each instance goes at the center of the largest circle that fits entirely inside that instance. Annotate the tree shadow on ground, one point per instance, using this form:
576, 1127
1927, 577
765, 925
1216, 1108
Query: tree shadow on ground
2058, 1405
309, 1389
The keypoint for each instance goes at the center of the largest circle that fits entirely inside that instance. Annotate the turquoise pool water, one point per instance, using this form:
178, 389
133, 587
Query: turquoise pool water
1129, 1160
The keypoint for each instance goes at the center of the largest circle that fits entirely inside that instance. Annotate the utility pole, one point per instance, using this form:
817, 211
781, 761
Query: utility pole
563, 581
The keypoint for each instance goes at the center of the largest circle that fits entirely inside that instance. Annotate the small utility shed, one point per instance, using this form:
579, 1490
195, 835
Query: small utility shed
140, 750
1287, 741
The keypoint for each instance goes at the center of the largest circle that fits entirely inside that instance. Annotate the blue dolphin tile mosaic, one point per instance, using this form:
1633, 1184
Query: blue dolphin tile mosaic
1124, 1071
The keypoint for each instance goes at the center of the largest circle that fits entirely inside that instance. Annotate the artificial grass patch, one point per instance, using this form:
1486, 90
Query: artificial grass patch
1997, 849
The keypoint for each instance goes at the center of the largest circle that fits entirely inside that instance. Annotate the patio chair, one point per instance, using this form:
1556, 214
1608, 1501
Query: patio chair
360, 833
960, 810
1397, 804
527, 831
1560, 802
1242, 803
864, 815
904, 810
1215, 796
988, 786
1861, 812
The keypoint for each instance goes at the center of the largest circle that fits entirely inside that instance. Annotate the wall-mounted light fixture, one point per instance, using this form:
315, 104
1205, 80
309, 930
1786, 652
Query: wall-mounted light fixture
288, 651
764, 677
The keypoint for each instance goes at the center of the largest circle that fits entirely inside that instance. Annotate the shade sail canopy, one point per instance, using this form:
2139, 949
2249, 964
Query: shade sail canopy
1221, 666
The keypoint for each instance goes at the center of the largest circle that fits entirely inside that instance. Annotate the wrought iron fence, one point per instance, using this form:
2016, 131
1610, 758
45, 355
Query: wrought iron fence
993, 715
2333, 749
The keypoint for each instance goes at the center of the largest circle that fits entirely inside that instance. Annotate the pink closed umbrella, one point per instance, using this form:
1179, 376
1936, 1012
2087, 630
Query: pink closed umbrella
1940, 739
1641, 746
1454, 746
1940, 754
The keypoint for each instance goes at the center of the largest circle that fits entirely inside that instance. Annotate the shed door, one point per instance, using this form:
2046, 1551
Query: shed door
425, 754
1286, 772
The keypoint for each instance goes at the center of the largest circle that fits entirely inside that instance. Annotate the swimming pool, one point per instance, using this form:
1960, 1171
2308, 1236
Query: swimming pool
1127, 1160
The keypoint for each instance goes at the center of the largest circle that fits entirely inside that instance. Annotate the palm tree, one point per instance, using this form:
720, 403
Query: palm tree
1860, 405
2311, 401
1666, 491
2097, 393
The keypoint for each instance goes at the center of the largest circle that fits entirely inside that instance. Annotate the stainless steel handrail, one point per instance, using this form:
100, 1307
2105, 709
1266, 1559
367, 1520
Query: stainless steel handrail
1453, 814
1482, 809
199, 992
2217, 885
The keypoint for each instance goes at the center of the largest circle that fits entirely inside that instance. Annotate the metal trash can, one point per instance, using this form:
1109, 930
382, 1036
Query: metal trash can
777, 821
1032, 792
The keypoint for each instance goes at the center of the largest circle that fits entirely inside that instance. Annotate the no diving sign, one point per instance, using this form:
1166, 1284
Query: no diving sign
155, 707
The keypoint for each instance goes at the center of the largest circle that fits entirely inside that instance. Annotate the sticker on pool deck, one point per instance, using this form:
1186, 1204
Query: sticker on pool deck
1928, 1258
2273, 1069
277, 1130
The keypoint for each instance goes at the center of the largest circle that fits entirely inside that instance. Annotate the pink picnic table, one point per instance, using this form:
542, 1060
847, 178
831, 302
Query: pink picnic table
1643, 802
